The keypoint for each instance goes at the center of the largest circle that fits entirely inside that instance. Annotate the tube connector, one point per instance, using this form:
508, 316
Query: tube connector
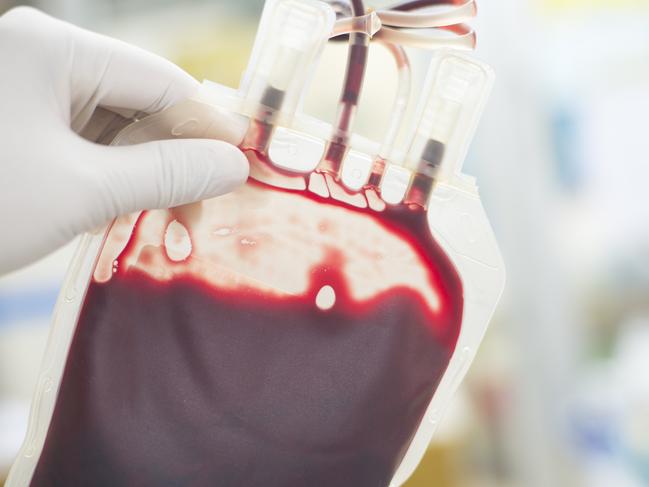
458, 88
457, 91
368, 24
290, 40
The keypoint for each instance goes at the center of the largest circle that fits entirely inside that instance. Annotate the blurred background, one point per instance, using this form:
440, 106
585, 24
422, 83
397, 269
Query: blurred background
559, 392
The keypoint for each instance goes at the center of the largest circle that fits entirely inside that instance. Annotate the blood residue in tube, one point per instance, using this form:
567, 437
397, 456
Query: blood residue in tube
269, 337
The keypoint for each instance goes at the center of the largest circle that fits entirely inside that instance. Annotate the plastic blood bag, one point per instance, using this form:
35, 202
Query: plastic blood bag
306, 329
300, 340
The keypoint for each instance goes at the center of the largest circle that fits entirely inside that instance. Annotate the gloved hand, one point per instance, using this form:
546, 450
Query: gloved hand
61, 90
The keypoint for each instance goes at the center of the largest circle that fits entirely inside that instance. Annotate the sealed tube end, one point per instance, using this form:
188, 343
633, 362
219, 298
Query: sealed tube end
458, 88
291, 36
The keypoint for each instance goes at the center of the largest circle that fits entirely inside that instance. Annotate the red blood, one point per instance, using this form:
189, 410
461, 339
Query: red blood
176, 382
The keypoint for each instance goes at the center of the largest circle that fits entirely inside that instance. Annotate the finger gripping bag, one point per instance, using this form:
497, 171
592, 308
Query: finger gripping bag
307, 329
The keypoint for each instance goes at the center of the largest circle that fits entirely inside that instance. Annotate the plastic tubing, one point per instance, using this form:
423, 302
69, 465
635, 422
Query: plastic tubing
356, 63
451, 16
465, 38
368, 24
419, 4
401, 99
361, 27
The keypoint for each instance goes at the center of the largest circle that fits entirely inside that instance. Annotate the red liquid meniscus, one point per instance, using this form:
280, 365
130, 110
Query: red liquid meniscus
269, 337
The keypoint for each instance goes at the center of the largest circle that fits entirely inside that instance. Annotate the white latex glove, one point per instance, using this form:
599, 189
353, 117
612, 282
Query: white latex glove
63, 88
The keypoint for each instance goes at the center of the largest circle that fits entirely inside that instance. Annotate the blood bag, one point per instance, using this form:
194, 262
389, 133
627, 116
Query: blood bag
307, 329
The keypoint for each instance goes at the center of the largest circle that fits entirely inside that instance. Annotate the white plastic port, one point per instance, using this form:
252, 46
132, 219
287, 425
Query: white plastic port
394, 184
458, 87
295, 151
291, 36
356, 170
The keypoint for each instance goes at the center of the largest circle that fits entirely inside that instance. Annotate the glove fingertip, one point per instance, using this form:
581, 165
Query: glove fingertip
223, 167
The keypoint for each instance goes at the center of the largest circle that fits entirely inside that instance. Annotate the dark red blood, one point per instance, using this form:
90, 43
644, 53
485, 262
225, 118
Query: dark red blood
181, 384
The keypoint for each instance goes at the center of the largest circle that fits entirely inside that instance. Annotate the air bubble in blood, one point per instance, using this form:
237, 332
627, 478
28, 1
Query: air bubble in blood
326, 298
177, 241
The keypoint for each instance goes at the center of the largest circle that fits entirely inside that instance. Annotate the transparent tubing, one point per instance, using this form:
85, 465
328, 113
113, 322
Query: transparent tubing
420, 4
382, 24
401, 100
356, 63
368, 24
362, 27
393, 39
456, 15
465, 38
